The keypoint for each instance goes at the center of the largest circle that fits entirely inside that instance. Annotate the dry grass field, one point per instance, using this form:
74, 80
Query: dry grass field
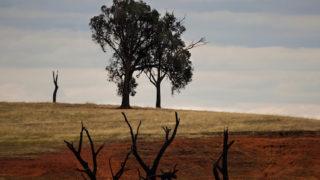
31, 128
266, 147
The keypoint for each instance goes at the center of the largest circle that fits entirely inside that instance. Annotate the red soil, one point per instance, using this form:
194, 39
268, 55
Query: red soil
263, 156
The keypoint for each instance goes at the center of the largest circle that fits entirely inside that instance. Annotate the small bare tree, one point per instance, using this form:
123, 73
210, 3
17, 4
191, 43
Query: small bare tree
55, 81
122, 169
224, 157
151, 171
86, 168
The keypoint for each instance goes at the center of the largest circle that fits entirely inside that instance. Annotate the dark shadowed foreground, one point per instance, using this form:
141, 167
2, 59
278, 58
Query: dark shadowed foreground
259, 156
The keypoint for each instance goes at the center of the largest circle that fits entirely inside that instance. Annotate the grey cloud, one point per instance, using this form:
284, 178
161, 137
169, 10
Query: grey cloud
224, 90
64, 6
240, 6
233, 72
76, 85
85, 6
40, 19
239, 58
223, 26
254, 29
50, 48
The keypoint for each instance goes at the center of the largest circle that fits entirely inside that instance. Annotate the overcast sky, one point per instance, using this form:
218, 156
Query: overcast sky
262, 56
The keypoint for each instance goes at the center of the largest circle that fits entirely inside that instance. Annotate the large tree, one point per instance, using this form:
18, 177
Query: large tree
170, 56
129, 29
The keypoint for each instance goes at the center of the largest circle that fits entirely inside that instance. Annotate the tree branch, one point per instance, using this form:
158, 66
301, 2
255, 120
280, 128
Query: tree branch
134, 143
122, 169
167, 142
200, 42
77, 154
224, 169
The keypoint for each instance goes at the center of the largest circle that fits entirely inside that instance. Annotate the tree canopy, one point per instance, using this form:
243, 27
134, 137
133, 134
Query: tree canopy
142, 41
170, 56
128, 28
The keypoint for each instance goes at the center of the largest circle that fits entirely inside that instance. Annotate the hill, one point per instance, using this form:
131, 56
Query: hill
29, 128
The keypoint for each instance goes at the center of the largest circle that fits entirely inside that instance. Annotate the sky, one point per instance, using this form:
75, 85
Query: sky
262, 56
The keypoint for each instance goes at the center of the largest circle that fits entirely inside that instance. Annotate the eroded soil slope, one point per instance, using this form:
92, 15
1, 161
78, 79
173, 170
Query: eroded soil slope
259, 156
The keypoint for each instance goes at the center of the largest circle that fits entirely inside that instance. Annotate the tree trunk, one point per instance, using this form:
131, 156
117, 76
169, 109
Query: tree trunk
225, 157
125, 104
55, 81
158, 102
158, 86
151, 176
55, 94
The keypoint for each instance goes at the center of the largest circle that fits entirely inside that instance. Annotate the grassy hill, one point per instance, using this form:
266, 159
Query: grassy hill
28, 128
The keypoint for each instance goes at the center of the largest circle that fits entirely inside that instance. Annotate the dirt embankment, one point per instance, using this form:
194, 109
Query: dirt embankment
258, 156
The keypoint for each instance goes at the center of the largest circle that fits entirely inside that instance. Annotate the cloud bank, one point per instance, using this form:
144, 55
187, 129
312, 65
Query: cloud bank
262, 56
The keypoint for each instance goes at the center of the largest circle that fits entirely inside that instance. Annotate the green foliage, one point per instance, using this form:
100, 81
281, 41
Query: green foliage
129, 29
170, 55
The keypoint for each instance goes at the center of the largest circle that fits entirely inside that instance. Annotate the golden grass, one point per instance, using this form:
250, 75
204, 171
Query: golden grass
28, 128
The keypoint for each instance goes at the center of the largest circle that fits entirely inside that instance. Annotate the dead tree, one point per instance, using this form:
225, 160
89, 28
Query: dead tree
55, 81
224, 157
121, 170
91, 173
151, 171
163, 176
168, 175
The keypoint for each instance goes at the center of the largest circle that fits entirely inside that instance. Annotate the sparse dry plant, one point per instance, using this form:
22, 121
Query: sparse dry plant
86, 168
223, 170
151, 171
92, 173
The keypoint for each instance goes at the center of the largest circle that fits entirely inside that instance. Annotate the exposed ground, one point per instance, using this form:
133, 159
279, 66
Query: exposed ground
266, 147
263, 156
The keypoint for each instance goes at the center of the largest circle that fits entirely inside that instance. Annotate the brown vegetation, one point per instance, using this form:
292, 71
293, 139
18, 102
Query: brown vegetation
265, 146
41, 127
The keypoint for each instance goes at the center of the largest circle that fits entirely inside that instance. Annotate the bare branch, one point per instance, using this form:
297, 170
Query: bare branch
56, 87
200, 42
57, 76
167, 131
134, 144
136, 136
140, 176
131, 131
151, 172
99, 149
169, 175
166, 144
111, 167
94, 159
54, 79
122, 169
215, 172
86, 169
80, 140
224, 169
